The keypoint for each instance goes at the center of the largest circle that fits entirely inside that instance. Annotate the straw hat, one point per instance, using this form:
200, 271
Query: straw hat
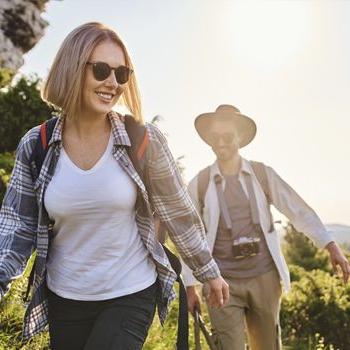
245, 126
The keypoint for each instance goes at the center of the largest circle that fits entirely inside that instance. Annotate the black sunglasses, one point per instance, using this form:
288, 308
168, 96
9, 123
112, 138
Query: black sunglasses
214, 138
102, 70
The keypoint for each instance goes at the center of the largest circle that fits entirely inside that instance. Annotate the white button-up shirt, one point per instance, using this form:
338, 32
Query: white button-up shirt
283, 197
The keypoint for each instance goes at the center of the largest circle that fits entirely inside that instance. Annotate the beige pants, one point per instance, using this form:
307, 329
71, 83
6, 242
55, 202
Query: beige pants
254, 302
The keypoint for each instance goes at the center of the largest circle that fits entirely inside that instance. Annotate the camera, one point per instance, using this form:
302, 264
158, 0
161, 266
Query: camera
245, 247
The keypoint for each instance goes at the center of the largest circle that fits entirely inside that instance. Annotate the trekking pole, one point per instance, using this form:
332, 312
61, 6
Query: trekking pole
207, 335
197, 331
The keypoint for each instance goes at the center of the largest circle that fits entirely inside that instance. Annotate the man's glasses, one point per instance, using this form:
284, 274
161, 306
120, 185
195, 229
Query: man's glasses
226, 137
102, 70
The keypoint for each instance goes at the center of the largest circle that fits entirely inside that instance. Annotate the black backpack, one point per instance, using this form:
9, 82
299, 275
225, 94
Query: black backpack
138, 136
260, 173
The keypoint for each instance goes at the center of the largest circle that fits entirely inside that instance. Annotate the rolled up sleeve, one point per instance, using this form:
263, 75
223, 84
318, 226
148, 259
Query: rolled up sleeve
18, 219
300, 214
175, 209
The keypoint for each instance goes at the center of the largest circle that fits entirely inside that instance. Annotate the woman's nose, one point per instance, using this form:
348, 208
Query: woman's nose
112, 80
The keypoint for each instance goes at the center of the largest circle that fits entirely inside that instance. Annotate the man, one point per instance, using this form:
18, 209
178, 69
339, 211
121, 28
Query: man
233, 196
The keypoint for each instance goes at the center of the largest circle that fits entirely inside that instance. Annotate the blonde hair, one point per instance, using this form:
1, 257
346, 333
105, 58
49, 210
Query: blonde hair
64, 84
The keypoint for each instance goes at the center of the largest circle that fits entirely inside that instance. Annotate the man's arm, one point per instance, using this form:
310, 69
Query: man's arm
305, 219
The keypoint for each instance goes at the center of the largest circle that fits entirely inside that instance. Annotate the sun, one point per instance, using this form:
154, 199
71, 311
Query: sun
268, 35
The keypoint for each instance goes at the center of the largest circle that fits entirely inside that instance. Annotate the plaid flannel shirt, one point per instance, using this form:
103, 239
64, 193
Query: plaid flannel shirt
24, 221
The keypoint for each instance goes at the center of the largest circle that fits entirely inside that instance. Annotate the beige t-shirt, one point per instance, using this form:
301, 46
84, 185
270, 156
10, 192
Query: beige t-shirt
242, 224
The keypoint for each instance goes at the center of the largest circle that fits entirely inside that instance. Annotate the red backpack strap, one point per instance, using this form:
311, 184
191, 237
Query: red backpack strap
43, 135
41, 146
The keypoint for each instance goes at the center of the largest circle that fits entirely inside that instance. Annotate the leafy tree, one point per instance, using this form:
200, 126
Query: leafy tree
318, 304
316, 313
21, 108
6, 165
299, 250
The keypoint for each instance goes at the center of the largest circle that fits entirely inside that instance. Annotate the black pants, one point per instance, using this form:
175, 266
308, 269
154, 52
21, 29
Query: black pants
114, 324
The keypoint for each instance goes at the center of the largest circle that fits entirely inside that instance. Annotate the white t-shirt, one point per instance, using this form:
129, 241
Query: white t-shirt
97, 252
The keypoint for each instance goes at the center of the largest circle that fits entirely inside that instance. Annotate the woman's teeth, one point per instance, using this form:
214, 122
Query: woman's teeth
105, 95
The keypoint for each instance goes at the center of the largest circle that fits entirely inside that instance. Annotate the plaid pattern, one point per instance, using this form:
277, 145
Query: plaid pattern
24, 222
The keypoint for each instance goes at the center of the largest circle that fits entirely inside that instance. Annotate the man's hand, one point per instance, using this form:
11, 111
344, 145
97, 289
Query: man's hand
193, 300
338, 258
216, 292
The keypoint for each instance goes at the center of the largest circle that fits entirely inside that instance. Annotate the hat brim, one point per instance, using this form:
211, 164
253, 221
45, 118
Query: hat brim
244, 125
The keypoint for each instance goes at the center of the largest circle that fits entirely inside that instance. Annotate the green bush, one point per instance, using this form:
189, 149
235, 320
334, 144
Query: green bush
299, 250
21, 108
11, 318
317, 304
6, 165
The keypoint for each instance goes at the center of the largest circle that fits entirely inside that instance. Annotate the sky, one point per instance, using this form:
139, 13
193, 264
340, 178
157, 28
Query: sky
283, 63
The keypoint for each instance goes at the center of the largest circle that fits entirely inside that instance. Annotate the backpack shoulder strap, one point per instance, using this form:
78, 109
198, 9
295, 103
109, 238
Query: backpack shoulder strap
41, 147
139, 140
260, 173
202, 186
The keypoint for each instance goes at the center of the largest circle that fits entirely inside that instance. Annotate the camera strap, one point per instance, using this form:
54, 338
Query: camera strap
223, 205
224, 208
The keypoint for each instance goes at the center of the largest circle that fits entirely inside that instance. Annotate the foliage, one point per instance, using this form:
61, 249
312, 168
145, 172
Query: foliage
6, 165
317, 304
21, 108
6, 74
12, 310
316, 313
300, 251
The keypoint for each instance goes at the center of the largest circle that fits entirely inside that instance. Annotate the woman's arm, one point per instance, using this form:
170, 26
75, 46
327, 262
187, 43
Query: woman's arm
175, 209
18, 217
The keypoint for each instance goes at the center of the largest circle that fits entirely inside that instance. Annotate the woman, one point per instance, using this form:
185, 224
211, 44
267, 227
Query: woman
100, 271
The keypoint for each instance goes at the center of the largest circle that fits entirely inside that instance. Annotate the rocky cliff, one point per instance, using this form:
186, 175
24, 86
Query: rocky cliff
21, 27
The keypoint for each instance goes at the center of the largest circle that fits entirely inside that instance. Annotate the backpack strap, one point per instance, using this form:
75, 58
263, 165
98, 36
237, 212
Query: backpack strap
182, 323
139, 140
202, 186
41, 146
260, 173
